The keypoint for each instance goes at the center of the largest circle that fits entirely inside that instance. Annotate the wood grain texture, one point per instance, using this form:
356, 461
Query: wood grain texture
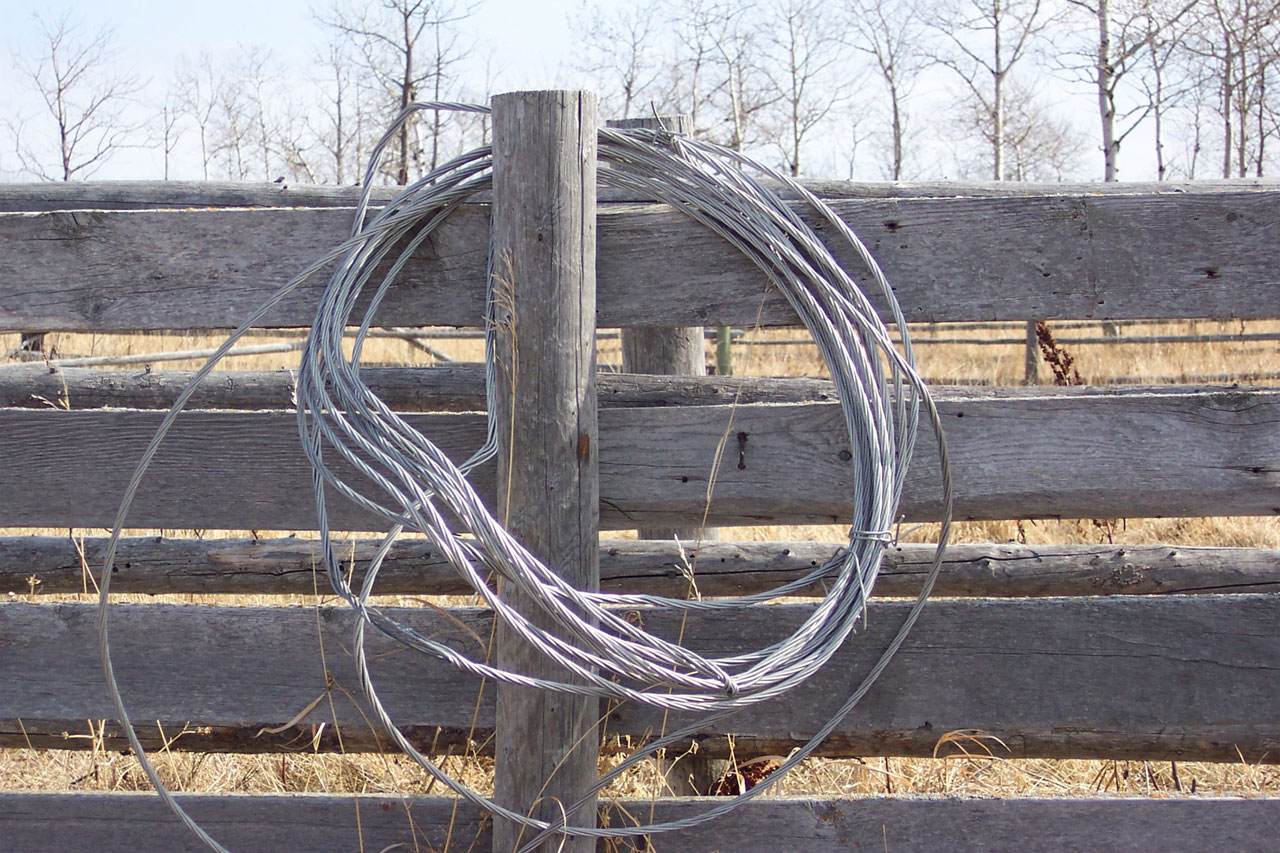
548, 481
1121, 454
440, 388
284, 567
210, 268
150, 195
1176, 677
1097, 255
665, 350
457, 387
672, 350
301, 823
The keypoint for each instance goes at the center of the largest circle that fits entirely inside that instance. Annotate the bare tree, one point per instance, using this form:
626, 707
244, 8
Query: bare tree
241, 131
987, 39
1237, 39
406, 47
694, 77
1166, 24
296, 147
1194, 103
1040, 145
86, 94
740, 86
892, 34
1127, 31
804, 51
334, 125
475, 129
620, 49
194, 86
170, 129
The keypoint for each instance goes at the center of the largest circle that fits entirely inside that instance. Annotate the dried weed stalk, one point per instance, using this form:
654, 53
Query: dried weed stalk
1061, 362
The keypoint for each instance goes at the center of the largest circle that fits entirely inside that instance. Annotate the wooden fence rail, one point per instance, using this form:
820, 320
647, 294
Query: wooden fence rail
1150, 255
1154, 677
1126, 454
154, 565
113, 823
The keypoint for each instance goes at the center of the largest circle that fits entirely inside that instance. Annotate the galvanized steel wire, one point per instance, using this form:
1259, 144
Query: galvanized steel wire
405, 479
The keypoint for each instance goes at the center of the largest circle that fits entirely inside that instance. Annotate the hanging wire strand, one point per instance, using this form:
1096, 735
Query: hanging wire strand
405, 479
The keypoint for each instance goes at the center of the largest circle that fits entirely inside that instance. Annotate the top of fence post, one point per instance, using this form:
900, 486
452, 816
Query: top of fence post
544, 225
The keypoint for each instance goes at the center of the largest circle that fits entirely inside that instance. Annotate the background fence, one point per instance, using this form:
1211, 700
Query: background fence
1158, 653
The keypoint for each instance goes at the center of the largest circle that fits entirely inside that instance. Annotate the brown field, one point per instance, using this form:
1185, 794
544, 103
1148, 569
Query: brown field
984, 770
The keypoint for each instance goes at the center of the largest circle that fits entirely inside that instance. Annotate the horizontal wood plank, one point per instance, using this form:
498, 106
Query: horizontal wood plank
1185, 677
1091, 255
455, 387
43, 565
150, 195
440, 388
114, 823
1121, 454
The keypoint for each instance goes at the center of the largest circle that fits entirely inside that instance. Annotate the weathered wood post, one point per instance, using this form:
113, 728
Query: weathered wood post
1031, 368
724, 351
673, 351
544, 237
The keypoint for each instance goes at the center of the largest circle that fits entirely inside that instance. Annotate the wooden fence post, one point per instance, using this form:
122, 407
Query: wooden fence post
1031, 372
673, 351
724, 351
544, 227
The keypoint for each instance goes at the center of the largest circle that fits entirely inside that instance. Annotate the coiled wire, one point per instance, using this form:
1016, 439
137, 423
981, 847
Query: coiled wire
408, 481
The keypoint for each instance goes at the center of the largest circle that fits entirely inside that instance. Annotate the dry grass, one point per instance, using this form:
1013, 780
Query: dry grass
984, 770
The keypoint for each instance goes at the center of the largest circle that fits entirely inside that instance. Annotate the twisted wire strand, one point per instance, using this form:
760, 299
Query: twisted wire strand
402, 477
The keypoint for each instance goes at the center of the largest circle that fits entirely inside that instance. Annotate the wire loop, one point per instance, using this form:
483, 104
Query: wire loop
402, 477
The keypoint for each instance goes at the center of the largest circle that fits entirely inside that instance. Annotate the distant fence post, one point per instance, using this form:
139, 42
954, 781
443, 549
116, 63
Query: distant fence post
724, 351
673, 351
544, 267
1031, 374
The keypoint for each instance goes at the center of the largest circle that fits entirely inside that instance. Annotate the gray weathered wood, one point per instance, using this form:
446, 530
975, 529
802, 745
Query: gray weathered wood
1031, 356
284, 567
662, 350
1104, 256
302, 823
159, 195
150, 195
672, 350
544, 242
459, 387
1116, 454
1185, 677
665, 350
440, 388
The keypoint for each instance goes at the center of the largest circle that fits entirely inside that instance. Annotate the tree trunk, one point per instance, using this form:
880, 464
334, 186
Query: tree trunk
998, 130
897, 132
406, 96
1106, 93
1227, 94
